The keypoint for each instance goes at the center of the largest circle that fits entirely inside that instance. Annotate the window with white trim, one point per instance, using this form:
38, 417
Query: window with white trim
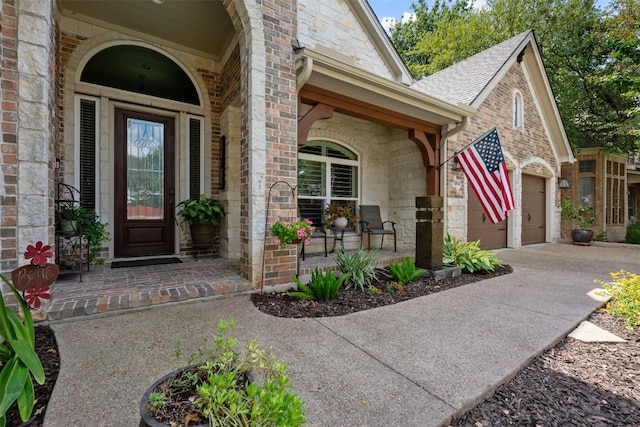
327, 172
518, 108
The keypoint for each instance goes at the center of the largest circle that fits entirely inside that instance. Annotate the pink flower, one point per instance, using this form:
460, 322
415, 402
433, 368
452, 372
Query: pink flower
277, 241
35, 294
302, 233
39, 254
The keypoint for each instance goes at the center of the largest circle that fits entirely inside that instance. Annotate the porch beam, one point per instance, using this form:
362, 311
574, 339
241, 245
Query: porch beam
317, 112
356, 108
429, 146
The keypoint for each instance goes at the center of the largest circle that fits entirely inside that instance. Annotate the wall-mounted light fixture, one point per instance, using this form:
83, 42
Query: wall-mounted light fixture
563, 183
57, 163
456, 165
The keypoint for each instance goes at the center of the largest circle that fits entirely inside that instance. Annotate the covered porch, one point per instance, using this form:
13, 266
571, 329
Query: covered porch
104, 290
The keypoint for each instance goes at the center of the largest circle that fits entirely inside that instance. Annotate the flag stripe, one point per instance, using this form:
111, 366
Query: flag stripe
483, 165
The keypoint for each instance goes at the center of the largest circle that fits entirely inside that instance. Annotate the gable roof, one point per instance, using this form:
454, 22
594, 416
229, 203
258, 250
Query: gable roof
465, 81
470, 81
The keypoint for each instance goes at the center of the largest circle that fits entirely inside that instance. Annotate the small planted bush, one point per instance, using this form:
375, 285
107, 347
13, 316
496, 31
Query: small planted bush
360, 265
633, 233
468, 256
405, 271
625, 297
321, 287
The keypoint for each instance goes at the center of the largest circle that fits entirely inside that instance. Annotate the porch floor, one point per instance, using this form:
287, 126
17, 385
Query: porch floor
105, 290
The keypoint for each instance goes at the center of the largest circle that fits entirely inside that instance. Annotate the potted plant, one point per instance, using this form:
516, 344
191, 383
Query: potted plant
292, 232
217, 387
203, 216
340, 216
580, 217
68, 214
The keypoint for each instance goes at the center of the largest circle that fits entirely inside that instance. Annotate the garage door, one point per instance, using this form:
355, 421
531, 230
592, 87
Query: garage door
480, 227
533, 210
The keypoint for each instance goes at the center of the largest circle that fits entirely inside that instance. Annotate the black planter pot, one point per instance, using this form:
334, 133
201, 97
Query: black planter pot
581, 236
146, 420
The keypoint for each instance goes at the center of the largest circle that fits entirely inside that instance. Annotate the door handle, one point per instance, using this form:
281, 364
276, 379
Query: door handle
484, 217
529, 216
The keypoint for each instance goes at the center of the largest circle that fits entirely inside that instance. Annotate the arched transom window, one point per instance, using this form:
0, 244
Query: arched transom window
327, 172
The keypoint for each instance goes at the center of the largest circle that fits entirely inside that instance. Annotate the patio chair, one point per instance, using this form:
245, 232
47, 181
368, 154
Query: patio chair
319, 233
371, 223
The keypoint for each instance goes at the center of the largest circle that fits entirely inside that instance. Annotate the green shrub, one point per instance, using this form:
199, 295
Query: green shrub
405, 271
361, 266
468, 256
600, 237
633, 233
625, 297
321, 287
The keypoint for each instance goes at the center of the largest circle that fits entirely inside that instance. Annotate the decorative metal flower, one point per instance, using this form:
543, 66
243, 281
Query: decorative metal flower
34, 296
39, 254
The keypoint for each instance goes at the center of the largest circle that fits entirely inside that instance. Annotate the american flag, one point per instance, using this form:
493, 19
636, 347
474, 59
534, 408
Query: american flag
483, 165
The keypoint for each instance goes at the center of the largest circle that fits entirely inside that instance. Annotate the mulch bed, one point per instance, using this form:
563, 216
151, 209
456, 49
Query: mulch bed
47, 350
353, 300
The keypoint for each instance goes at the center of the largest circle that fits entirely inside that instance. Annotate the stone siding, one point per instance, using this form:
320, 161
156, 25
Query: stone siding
331, 24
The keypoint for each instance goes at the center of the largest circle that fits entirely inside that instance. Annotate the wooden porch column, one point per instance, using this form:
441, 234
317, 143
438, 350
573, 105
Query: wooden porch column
429, 145
317, 112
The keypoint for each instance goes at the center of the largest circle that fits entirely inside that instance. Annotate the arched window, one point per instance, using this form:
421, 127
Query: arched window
327, 172
140, 70
518, 108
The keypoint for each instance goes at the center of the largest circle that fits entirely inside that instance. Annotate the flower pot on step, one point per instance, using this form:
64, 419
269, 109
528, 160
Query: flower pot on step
581, 236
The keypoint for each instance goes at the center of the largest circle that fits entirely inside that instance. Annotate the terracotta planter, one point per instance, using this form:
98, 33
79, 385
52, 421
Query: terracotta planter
581, 236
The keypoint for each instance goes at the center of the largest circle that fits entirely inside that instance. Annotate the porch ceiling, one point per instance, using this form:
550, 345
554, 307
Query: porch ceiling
201, 26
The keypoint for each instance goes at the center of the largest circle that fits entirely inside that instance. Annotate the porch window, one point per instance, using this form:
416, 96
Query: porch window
87, 140
327, 172
196, 127
587, 191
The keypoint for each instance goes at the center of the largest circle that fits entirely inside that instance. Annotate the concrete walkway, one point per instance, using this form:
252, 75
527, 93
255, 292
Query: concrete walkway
416, 363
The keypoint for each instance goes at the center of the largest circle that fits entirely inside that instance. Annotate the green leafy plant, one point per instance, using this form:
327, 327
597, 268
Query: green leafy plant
94, 232
202, 209
360, 265
321, 286
405, 271
373, 291
625, 297
20, 362
157, 399
600, 237
288, 232
582, 216
633, 233
226, 393
468, 256
337, 210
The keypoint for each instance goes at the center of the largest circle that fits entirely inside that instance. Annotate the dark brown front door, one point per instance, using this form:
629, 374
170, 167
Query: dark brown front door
144, 184
533, 210
480, 227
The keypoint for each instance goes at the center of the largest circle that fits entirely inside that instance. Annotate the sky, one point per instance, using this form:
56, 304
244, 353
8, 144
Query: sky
395, 8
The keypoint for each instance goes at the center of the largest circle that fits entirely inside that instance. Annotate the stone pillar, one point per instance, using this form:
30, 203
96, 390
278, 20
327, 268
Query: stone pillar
429, 232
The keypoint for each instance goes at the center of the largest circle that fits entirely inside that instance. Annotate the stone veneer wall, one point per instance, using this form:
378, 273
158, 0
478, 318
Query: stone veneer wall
527, 151
28, 126
332, 24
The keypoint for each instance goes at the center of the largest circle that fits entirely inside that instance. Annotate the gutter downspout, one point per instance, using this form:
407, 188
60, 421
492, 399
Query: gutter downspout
305, 73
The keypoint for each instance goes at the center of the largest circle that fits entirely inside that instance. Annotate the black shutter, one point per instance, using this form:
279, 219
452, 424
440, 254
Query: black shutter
194, 158
88, 153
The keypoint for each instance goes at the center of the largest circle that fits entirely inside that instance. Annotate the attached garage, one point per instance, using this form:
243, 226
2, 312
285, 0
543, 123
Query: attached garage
533, 210
480, 227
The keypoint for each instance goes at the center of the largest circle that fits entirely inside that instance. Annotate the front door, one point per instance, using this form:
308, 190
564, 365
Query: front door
144, 184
